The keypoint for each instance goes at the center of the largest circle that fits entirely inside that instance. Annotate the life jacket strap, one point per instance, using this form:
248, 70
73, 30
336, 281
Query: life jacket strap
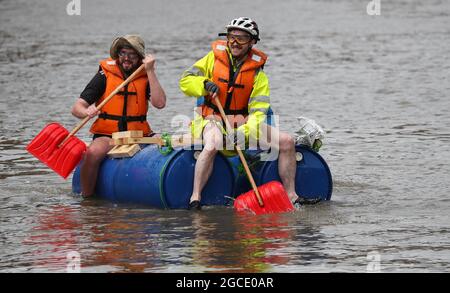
123, 120
123, 93
234, 85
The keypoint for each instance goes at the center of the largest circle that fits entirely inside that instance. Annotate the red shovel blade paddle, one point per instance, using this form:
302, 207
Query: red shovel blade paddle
62, 160
273, 195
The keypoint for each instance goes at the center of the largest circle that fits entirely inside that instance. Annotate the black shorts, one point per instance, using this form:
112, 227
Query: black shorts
100, 135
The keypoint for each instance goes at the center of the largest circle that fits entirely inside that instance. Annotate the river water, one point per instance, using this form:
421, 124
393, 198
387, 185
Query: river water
377, 84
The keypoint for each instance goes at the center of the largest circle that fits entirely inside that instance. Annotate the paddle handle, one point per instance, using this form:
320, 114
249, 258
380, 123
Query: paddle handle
111, 95
239, 151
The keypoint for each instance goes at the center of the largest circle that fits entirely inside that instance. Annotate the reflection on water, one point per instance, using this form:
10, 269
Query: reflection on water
173, 241
246, 247
53, 237
378, 86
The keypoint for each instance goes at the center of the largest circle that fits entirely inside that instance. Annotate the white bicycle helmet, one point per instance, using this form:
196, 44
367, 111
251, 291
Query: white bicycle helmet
246, 24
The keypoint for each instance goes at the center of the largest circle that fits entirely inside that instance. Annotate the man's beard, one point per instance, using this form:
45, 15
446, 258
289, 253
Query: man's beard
129, 71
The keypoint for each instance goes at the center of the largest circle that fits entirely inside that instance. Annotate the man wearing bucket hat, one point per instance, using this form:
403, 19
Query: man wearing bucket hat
233, 73
127, 110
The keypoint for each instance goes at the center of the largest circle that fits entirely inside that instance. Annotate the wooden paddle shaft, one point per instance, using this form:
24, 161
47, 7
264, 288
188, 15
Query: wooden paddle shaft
239, 151
113, 93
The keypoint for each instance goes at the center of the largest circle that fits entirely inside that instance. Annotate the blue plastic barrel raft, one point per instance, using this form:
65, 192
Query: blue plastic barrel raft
166, 181
160, 181
313, 177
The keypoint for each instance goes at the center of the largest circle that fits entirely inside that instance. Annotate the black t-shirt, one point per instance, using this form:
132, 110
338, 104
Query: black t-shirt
96, 88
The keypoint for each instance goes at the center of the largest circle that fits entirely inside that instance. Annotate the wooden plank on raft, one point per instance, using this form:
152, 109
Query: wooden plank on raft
125, 134
143, 140
183, 140
124, 151
116, 141
177, 140
135, 140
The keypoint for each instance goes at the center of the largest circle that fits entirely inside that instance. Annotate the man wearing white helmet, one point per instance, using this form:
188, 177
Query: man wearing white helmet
233, 73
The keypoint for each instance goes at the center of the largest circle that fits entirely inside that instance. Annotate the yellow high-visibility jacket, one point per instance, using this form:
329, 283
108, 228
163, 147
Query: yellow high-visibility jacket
192, 84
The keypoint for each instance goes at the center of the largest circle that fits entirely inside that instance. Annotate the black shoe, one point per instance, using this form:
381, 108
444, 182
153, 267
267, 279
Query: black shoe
195, 205
306, 201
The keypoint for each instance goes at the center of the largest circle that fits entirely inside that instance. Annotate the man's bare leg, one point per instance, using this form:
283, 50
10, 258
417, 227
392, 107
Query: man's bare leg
287, 164
95, 154
212, 140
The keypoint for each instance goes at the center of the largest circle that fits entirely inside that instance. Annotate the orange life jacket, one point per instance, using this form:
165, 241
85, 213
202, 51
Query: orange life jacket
235, 88
127, 110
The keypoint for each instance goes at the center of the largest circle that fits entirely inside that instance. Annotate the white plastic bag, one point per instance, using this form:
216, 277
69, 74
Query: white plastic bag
309, 134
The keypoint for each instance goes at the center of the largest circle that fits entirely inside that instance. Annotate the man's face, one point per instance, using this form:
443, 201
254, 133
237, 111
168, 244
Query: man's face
239, 43
129, 59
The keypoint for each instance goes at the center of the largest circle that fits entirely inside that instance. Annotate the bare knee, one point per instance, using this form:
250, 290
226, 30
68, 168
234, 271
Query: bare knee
212, 141
211, 147
286, 142
95, 154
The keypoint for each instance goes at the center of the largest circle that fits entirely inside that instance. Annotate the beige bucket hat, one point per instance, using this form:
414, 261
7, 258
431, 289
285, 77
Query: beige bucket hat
133, 41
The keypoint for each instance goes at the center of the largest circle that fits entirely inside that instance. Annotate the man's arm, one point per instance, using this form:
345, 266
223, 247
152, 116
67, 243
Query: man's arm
79, 109
158, 99
192, 80
85, 104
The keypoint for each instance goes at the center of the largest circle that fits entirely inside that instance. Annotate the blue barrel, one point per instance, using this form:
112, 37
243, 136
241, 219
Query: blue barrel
313, 177
241, 183
161, 181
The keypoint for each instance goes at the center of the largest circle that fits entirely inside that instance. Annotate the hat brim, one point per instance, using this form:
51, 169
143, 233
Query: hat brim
121, 42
